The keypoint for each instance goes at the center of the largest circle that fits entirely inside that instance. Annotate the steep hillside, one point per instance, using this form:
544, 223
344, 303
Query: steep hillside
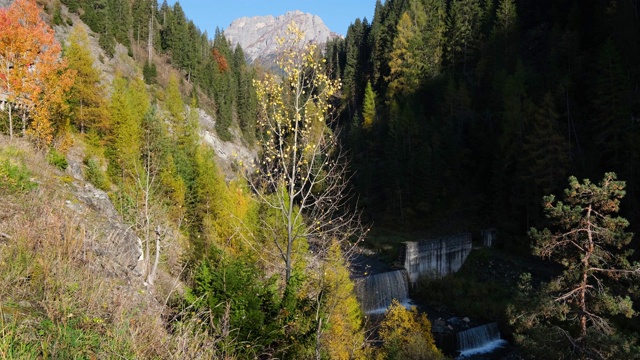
127, 229
71, 271
257, 35
229, 149
87, 270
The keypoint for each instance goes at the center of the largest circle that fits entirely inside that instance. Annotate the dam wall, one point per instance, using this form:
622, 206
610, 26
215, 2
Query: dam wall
436, 257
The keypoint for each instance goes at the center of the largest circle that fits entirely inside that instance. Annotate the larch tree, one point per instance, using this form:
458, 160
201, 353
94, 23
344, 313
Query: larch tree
406, 334
418, 47
86, 96
32, 72
302, 174
404, 74
589, 243
369, 107
344, 336
128, 107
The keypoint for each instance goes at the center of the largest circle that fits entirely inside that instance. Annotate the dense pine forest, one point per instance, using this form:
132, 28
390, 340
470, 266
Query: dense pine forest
126, 232
479, 108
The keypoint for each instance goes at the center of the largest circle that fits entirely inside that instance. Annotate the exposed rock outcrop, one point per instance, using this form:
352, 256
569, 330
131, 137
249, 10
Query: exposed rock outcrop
118, 248
257, 35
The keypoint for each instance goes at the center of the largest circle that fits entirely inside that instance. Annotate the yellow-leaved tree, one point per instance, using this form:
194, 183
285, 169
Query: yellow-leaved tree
87, 96
302, 184
406, 334
302, 174
343, 336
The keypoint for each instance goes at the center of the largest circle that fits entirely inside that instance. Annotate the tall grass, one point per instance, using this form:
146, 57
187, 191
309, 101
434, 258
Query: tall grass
56, 299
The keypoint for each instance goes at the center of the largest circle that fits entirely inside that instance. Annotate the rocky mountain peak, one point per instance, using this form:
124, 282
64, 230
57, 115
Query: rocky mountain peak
257, 35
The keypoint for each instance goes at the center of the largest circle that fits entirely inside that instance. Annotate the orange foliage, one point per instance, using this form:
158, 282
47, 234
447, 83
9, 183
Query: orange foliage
223, 65
33, 72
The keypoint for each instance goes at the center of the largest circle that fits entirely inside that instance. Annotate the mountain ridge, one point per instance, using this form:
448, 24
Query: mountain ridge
257, 35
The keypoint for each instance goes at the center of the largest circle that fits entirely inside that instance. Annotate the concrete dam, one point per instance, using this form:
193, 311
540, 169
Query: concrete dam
435, 257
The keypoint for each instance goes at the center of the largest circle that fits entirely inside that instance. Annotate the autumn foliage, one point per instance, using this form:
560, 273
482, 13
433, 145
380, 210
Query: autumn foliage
406, 334
223, 65
33, 74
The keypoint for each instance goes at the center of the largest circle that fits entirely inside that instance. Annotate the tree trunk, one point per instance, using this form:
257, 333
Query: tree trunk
10, 120
150, 40
156, 260
585, 276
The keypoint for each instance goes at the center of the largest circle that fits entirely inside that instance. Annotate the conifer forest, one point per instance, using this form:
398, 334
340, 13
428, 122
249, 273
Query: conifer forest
451, 179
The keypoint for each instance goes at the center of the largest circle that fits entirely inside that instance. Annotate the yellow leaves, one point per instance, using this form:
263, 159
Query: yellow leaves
407, 333
344, 337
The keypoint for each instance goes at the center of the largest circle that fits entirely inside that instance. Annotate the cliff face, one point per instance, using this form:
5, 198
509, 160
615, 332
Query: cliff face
257, 35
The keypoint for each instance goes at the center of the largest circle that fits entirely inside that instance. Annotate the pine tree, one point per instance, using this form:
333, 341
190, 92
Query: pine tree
545, 150
505, 32
588, 240
611, 112
355, 44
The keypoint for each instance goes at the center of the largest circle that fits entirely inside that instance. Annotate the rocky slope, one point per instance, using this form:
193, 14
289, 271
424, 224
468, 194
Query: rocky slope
257, 35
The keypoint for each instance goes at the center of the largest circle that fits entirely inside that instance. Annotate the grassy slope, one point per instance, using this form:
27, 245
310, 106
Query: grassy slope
58, 297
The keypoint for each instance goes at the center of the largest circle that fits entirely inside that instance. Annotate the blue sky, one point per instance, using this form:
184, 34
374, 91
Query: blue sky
336, 14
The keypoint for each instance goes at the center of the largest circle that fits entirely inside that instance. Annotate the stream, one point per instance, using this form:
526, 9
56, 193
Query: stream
378, 283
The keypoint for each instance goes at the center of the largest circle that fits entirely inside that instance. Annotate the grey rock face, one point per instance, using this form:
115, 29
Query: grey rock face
257, 35
118, 248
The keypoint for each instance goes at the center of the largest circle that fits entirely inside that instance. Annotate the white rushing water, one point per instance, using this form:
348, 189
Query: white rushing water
479, 340
381, 310
376, 292
485, 349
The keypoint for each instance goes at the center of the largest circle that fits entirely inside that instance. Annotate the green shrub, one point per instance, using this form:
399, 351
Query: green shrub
220, 282
149, 72
14, 177
57, 14
94, 175
57, 159
232, 291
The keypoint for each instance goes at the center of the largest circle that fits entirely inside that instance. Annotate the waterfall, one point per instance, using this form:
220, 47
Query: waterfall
377, 291
481, 339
